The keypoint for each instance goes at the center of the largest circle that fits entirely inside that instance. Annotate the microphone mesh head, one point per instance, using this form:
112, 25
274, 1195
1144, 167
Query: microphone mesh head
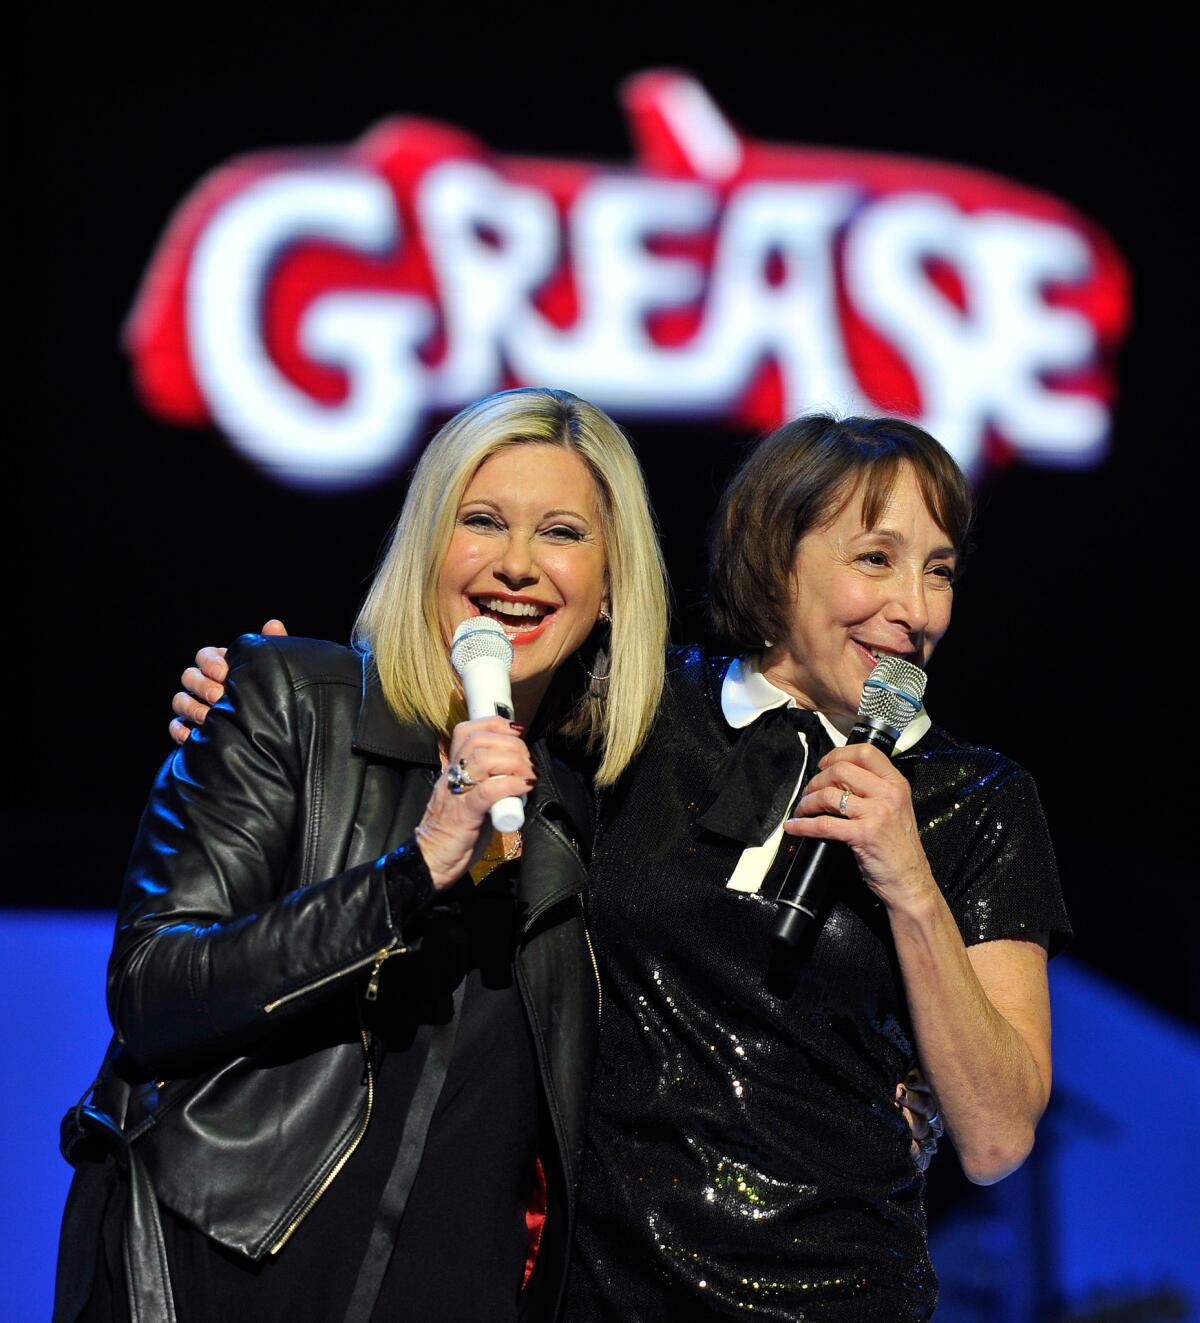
893, 692
481, 636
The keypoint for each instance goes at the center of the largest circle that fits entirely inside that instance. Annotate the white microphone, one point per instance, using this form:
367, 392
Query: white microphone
481, 654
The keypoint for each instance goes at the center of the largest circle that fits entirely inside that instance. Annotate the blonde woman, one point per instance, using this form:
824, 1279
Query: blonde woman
354, 1027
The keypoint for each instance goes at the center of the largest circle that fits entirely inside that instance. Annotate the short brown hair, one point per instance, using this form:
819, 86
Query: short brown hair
799, 478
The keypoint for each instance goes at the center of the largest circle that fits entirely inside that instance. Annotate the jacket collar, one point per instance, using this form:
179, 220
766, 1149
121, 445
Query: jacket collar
557, 834
564, 790
552, 866
379, 731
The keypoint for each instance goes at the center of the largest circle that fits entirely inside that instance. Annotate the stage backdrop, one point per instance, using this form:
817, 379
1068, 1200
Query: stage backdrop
264, 264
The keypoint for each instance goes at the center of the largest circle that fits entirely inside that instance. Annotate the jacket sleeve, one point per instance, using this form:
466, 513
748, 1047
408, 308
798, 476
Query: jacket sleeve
211, 951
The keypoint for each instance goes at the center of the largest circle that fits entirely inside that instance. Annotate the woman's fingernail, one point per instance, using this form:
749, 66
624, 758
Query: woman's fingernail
516, 725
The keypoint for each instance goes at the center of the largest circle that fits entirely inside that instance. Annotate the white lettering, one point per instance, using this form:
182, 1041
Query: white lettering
373, 337
793, 320
1009, 261
492, 243
769, 295
608, 354
983, 365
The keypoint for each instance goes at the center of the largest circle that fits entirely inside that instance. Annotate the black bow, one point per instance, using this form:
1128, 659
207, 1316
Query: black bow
758, 780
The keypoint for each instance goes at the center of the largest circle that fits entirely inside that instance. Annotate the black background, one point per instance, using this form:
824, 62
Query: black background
135, 542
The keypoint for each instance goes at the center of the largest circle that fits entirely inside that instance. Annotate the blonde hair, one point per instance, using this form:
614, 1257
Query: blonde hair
399, 624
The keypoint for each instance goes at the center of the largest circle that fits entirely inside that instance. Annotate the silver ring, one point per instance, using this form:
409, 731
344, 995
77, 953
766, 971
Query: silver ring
458, 778
845, 799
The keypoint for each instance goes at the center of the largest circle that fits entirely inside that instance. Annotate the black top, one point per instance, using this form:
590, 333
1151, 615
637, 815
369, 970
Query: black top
745, 1151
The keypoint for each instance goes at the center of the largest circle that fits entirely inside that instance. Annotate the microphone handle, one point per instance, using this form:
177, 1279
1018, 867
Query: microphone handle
804, 893
800, 904
508, 814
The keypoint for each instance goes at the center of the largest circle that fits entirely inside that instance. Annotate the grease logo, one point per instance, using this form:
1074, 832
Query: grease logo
318, 306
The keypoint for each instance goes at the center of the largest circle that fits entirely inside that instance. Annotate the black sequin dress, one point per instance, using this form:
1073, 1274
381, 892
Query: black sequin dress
746, 1157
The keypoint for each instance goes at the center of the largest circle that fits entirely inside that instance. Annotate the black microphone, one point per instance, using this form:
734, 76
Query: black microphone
891, 698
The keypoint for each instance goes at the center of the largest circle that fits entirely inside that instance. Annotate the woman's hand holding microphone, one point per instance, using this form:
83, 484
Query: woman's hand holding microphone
861, 798
487, 761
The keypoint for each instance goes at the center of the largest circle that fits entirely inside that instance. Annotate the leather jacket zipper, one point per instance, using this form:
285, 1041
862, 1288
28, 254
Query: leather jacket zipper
341, 1162
375, 961
372, 991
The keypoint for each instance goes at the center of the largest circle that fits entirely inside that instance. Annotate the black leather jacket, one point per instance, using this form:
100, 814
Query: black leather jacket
273, 873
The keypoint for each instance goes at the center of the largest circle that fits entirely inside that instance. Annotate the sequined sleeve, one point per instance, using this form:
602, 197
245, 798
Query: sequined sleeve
989, 846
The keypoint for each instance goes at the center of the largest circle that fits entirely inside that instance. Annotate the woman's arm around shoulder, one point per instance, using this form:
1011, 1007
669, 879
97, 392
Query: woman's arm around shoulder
981, 1013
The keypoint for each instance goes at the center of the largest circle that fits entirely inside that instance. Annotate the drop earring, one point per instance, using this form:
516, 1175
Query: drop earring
606, 618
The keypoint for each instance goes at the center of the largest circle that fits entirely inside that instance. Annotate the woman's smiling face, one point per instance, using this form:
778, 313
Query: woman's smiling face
860, 592
527, 550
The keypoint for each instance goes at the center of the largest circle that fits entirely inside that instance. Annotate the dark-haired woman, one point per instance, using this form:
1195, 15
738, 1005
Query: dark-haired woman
746, 1152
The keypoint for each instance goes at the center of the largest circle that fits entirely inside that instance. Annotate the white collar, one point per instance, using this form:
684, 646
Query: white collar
746, 694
